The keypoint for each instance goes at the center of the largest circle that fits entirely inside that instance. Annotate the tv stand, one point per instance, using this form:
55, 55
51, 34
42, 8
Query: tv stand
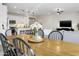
67, 29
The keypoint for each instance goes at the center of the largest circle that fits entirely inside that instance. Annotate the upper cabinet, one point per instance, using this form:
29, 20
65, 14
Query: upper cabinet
19, 21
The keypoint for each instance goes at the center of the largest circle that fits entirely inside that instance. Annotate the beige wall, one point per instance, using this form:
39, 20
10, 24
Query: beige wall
52, 21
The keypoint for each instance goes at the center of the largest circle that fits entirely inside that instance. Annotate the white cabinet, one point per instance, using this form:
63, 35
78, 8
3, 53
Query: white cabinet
3, 18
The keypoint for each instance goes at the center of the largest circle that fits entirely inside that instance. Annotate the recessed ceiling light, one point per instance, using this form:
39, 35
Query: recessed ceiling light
14, 6
36, 9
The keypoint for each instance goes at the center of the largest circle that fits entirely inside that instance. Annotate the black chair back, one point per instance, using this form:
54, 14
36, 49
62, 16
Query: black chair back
55, 35
22, 47
10, 32
7, 48
40, 32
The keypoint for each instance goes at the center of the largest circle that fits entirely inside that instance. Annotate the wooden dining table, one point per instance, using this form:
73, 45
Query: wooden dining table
49, 47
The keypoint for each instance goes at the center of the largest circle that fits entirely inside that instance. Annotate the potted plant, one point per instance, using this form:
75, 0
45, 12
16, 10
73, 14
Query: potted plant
34, 30
35, 26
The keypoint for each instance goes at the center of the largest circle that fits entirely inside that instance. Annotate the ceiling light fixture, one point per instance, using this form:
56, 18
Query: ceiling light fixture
59, 11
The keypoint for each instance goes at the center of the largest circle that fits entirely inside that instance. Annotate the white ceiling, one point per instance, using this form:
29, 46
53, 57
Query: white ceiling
41, 8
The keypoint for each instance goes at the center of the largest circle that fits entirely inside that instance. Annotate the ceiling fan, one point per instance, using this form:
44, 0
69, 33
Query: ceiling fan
59, 11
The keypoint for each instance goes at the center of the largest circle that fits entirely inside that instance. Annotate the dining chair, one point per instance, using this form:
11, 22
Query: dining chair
10, 32
7, 47
55, 35
22, 47
40, 32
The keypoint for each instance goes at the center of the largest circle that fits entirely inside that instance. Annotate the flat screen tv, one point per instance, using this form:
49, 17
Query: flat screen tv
66, 23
